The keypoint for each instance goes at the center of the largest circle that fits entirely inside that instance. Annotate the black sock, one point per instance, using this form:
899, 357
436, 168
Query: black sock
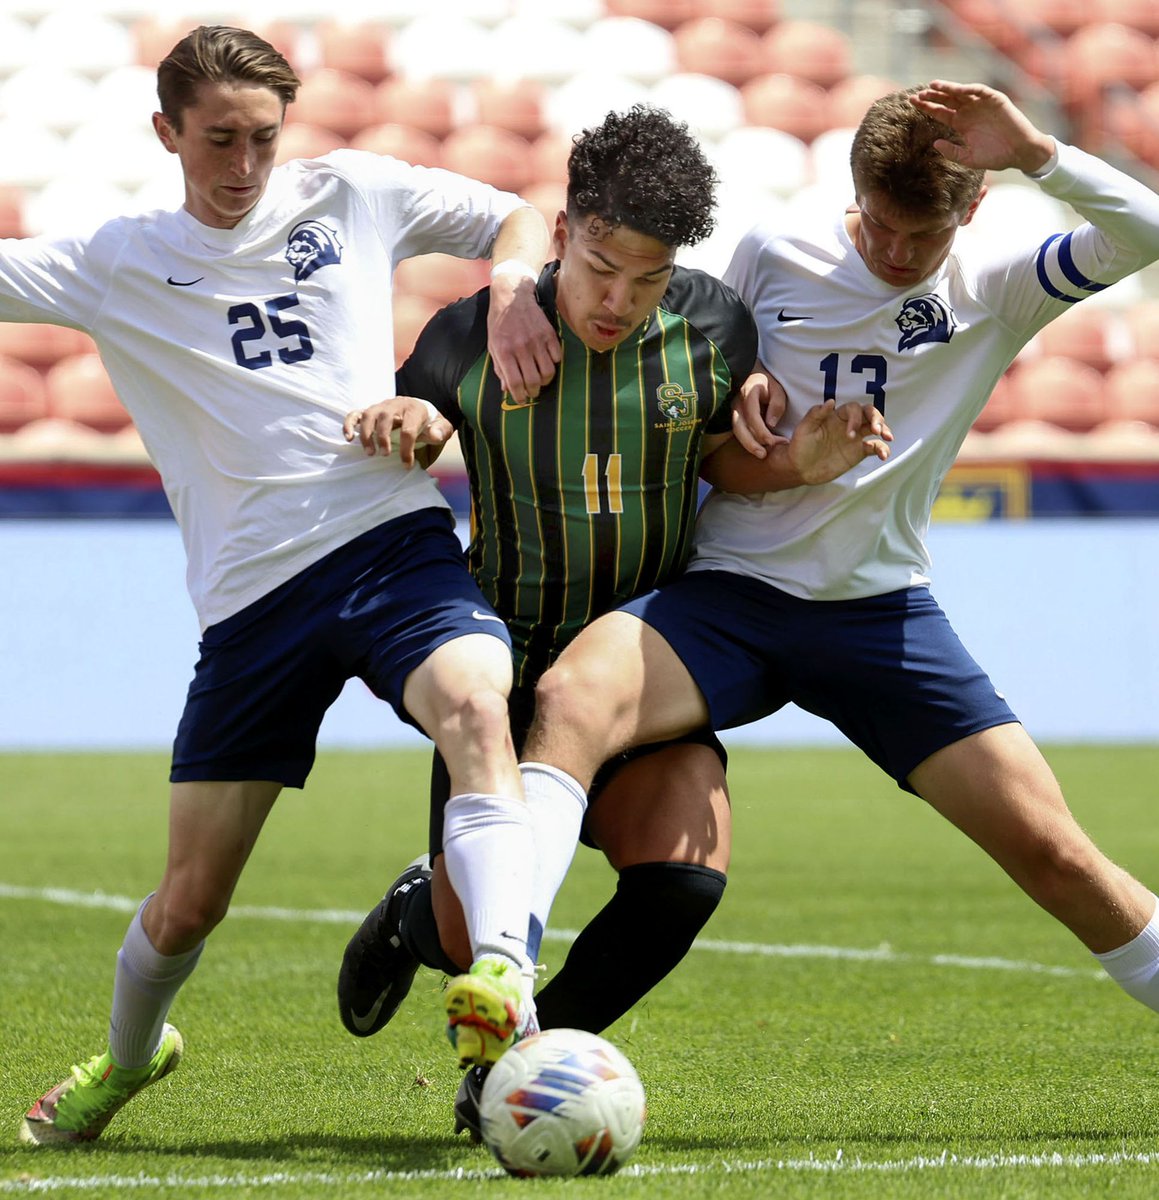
631, 944
419, 930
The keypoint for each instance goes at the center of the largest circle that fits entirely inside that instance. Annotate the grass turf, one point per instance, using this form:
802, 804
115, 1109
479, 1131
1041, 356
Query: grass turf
866, 1016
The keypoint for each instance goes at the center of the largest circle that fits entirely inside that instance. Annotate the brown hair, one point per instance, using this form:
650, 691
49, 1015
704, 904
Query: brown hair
220, 54
893, 155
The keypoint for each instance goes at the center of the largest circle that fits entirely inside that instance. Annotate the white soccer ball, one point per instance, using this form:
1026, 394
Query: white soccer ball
562, 1102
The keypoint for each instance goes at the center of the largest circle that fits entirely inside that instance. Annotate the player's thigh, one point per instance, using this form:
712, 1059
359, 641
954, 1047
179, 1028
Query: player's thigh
671, 805
998, 789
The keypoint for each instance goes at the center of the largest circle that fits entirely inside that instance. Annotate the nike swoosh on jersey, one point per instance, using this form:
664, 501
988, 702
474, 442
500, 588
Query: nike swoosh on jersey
784, 316
183, 282
485, 616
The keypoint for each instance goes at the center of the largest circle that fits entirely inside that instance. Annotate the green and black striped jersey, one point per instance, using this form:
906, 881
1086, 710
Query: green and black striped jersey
586, 496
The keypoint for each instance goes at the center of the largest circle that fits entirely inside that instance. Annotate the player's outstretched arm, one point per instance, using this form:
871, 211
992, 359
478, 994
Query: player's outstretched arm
826, 443
417, 423
995, 133
523, 344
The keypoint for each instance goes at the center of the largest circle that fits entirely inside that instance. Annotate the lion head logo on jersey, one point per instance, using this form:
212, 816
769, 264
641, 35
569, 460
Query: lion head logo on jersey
924, 319
311, 245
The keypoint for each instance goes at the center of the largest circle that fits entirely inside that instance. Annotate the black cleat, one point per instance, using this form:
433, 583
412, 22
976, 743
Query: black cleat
467, 1104
377, 969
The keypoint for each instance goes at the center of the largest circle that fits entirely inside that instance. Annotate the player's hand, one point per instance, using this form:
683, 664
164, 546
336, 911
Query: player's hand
756, 412
995, 133
829, 440
523, 344
375, 427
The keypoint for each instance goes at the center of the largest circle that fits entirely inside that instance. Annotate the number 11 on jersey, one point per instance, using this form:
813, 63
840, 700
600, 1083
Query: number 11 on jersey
592, 484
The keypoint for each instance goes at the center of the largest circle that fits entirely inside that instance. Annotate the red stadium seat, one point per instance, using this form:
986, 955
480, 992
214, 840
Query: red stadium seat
411, 313
1131, 390
496, 156
1101, 54
23, 397
758, 15
1001, 408
547, 195
1142, 15
849, 98
1060, 391
666, 13
809, 50
1142, 322
722, 49
427, 104
401, 141
42, 346
1085, 332
338, 101
300, 140
996, 22
1063, 17
441, 278
515, 105
12, 213
549, 155
357, 48
79, 390
787, 102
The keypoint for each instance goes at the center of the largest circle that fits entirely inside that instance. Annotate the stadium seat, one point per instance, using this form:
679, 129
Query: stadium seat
435, 106
1142, 325
338, 101
723, 49
1028, 439
586, 99
666, 13
849, 98
411, 313
79, 390
1142, 15
15, 44
441, 278
577, 13
994, 21
549, 154
1131, 390
1001, 408
758, 15
58, 439
1060, 391
22, 395
138, 158
74, 203
432, 47
1085, 332
517, 105
829, 157
125, 96
1100, 54
496, 156
79, 40
1063, 17
548, 196
809, 50
54, 96
154, 37
401, 141
629, 48
12, 213
300, 140
710, 107
759, 158
42, 346
534, 46
1127, 441
780, 101
358, 48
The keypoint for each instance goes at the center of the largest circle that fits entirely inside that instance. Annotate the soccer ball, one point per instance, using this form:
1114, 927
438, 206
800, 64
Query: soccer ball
562, 1102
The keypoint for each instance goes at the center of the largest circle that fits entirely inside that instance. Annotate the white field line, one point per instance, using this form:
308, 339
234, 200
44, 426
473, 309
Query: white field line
839, 1164
332, 916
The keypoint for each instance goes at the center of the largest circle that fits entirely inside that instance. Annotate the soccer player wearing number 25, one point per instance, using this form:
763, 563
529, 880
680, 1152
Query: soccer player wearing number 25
821, 596
238, 330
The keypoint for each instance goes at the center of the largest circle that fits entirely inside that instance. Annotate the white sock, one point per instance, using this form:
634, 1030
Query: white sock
490, 857
143, 990
1135, 966
557, 804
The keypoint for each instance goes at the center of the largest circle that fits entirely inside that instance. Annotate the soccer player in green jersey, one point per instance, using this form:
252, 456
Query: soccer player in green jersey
580, 499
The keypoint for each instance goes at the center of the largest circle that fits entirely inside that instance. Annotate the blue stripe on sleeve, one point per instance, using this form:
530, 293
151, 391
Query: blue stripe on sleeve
1067, 266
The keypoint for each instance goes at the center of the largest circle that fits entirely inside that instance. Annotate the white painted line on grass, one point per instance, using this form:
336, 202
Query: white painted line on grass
838, 1164
332, 916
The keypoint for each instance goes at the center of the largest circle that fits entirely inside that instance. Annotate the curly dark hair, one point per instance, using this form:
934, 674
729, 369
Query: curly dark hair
643, 169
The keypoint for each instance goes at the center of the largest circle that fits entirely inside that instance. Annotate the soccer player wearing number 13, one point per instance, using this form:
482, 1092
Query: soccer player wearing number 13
821, 596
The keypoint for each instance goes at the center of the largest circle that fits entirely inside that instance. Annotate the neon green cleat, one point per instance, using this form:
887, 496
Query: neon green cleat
487, 1011
78, 1109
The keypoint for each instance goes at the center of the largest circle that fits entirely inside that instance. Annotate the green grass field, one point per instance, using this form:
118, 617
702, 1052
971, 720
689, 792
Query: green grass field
874, 1010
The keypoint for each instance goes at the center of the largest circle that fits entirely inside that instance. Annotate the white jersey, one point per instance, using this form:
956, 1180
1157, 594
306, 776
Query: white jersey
238, 352
929, 356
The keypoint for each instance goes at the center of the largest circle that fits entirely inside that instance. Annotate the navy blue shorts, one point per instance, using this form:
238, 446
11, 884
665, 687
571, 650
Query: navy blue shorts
373, 609
888, 671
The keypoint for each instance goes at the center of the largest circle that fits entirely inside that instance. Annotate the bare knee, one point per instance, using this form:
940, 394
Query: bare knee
181, 916
477, 717
575, 709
